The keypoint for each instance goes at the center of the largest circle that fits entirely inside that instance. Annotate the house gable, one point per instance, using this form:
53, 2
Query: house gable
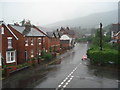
10, 31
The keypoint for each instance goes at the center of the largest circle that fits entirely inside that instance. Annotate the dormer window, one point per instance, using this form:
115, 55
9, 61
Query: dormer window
9, 42
31, 41
26, 42
2, 30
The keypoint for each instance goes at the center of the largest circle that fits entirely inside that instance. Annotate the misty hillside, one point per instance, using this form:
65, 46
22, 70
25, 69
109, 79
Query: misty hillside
89, 21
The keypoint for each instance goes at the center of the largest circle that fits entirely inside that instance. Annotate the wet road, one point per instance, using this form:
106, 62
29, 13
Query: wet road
70, 73
73, 73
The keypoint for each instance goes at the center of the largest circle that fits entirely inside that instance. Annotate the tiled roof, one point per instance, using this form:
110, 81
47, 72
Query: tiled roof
45, 30
50, 34
116, 27
31, 32
54, 33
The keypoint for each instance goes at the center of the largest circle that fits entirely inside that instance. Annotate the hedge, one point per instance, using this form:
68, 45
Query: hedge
103, 57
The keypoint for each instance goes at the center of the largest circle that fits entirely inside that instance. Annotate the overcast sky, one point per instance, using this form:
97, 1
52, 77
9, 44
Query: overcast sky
42, 12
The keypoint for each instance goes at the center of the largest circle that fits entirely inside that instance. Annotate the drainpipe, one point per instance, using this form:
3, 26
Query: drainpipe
37, 48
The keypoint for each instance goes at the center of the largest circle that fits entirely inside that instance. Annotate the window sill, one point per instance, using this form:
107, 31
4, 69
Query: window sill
26, 44
10, 61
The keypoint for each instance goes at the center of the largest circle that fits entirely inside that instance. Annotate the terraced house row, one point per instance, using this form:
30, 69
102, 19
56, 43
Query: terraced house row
21, 43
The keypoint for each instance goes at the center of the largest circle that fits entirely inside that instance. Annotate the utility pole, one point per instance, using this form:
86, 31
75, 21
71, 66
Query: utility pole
101, 37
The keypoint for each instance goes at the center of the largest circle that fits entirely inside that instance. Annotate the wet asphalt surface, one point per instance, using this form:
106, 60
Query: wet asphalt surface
71, 72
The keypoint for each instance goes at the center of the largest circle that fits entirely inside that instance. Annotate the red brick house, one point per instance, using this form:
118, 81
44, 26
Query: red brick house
116, 37
65, 41
115, 33
68, 33
52, 40
8, 45
30, 42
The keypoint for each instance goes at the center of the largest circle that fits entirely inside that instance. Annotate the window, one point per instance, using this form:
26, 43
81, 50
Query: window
2, 30
31, 41
9, 42
10, 56
39, 41
26, 42
39, 52
32, 53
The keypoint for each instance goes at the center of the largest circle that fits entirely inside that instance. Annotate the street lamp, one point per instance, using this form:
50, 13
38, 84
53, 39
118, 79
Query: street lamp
101, 36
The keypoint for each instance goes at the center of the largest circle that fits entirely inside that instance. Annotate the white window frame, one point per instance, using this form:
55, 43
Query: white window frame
39, 41
32, 53
26, 42
2, 30
32, 41
39, 52
14, 57
9, 43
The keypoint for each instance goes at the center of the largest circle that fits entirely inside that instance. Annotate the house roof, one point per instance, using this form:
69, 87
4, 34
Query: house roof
65, 37
31, 32
45, 30
116, 27
50, 34
54, 34
117, 33
3, 23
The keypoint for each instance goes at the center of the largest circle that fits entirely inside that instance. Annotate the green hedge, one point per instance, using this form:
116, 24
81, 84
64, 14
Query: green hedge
103, 57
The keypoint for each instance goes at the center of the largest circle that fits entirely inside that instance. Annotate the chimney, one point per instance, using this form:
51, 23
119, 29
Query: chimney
57, 30
27, 28
16, 24
23, 22
67, 28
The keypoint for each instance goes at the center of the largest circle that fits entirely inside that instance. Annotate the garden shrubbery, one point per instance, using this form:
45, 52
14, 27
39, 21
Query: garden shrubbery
46, 56
109, 54
103, 57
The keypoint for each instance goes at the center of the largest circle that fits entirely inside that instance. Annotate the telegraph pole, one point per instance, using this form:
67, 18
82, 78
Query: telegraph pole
101, 37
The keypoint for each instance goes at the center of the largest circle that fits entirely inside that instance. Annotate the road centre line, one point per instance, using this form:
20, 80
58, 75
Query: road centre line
67, 78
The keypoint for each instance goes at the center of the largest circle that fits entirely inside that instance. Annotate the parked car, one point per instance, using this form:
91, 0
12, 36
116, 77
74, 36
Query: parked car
84, 58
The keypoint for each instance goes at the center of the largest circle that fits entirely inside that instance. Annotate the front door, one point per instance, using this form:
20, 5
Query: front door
26, 56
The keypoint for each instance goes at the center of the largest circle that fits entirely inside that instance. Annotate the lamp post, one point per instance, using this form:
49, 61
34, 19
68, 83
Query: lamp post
101, 37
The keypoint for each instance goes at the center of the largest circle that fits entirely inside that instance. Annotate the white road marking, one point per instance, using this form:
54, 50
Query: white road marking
64, 86
59, 86
62, 83
67, 78
66, 83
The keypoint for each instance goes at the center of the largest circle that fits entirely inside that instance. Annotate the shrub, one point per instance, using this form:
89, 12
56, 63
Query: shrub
103, 57
48, 56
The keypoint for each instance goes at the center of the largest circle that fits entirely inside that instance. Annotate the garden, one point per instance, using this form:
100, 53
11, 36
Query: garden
109, 55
